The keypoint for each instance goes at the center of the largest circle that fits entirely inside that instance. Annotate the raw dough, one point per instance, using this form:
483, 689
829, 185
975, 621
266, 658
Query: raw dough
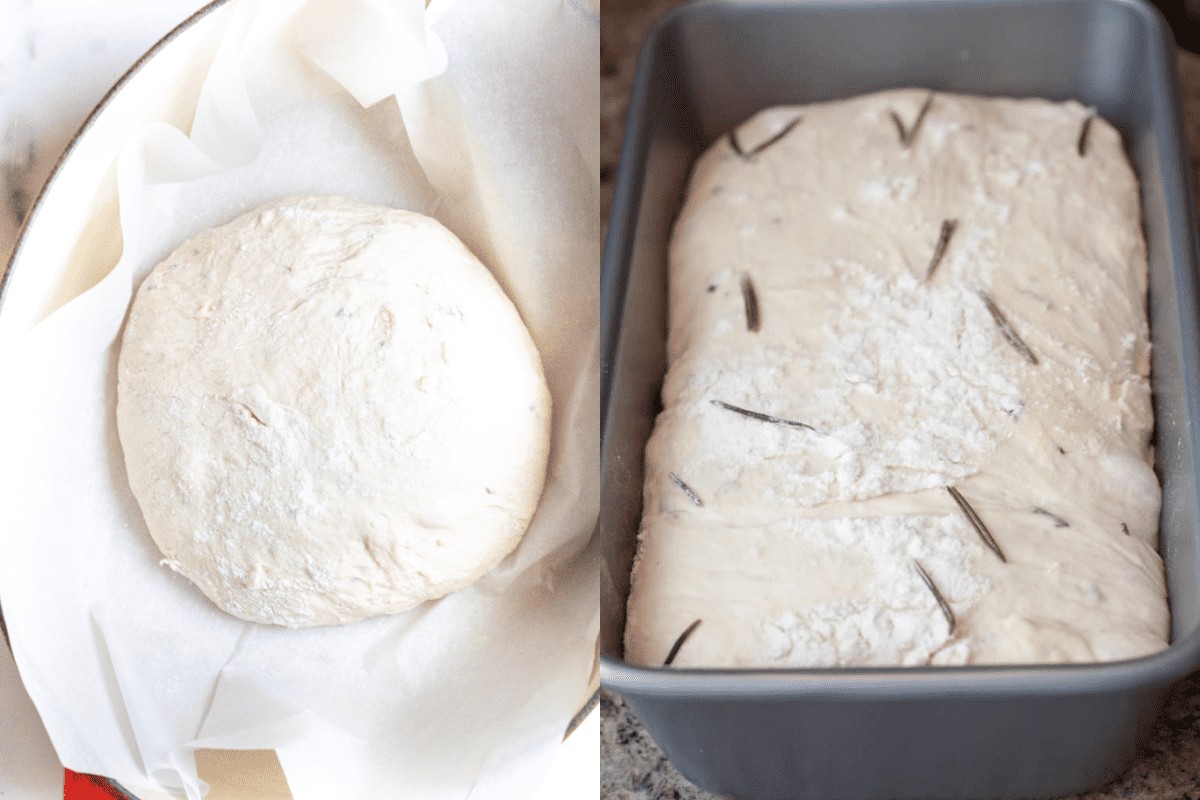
1014, 367
330, 411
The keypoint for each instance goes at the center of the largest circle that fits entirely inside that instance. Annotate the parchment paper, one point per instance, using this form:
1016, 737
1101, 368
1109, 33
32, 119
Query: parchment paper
483, 114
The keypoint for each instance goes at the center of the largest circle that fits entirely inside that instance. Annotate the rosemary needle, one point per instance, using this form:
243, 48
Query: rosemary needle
683, 637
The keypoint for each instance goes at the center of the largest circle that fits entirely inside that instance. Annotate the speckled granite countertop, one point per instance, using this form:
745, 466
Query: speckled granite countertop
632, 766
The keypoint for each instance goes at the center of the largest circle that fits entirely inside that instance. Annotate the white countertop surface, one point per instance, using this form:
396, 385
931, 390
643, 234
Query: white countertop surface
57, 59
29, 769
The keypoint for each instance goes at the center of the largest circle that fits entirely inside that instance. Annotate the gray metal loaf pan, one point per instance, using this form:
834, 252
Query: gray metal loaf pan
860, 734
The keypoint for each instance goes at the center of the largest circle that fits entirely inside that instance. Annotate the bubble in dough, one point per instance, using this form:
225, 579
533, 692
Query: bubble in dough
330, 411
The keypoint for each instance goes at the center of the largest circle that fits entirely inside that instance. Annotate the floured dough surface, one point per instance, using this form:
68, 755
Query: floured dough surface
867, 311
330, 411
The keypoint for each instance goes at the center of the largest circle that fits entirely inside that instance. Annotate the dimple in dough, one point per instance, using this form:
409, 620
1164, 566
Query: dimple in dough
330, 411
1009, 362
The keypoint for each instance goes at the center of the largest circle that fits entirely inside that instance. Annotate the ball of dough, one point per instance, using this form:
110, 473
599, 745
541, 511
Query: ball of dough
330, 411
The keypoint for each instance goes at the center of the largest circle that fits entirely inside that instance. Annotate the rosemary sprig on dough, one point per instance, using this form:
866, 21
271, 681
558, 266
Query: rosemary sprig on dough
751, 153
943, 242
937, 595
683, 637
1082, 145
976, 523
745, 412
1007, 329
899, 125
1058, 521
250, 413
750, 300
1125, 529
907, 137
695, 498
